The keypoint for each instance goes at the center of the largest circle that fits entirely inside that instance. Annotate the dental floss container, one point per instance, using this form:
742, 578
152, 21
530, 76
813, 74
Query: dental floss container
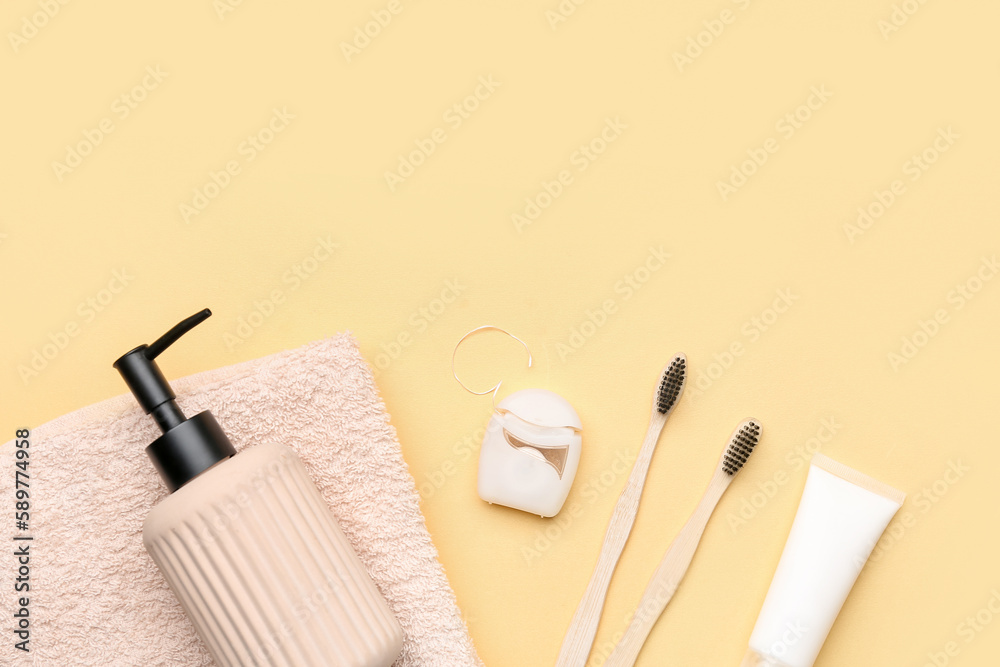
531, 448
531, 452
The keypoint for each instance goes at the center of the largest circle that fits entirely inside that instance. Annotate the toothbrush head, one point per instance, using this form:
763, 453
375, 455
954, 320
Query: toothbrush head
671, 384
741, 444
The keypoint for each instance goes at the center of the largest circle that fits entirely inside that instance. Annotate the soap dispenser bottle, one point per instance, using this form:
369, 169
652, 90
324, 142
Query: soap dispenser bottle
248, 545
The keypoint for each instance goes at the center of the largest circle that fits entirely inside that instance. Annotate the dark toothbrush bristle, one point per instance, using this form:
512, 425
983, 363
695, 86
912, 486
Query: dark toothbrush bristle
740, 448
670, 385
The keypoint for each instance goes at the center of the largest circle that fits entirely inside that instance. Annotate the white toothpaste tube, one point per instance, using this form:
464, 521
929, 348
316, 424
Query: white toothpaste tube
840, 518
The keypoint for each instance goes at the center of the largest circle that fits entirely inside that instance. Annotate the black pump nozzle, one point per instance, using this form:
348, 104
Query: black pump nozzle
144, 378
178, 330
187, 447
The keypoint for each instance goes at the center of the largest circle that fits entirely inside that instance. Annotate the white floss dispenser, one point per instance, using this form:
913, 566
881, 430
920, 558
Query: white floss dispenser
530, 452
531, 449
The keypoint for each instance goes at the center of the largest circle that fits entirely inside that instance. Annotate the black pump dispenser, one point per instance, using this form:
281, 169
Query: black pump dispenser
188, 447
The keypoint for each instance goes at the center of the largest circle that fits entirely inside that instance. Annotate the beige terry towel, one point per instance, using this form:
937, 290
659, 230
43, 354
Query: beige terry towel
96, 596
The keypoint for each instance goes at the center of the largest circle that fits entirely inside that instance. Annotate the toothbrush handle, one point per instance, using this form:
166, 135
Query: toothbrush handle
668, 576
580, 636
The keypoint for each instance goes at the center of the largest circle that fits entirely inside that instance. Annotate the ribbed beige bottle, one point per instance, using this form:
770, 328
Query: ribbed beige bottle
254, 555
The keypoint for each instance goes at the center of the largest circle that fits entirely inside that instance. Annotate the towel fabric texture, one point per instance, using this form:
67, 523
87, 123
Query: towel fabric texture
96, 596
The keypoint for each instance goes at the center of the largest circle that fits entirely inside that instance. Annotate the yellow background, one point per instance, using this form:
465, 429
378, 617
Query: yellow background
654, 186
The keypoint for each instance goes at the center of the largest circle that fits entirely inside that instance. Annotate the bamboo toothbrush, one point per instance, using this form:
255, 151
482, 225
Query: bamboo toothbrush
668, 575
580, 636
